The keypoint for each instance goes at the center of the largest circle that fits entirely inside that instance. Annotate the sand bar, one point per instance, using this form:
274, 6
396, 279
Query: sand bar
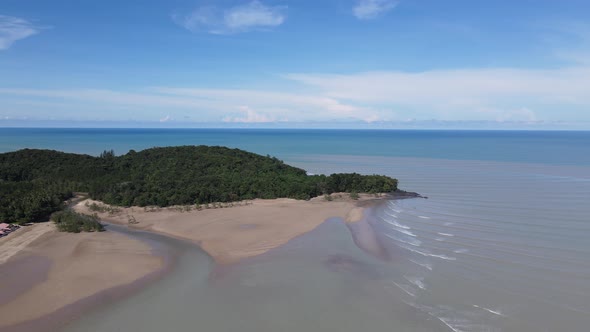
246, 230
57, 269
48, 270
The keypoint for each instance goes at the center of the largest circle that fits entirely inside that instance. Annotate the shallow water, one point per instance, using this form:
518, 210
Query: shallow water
496, 247
500, 245
157, 306
318, 282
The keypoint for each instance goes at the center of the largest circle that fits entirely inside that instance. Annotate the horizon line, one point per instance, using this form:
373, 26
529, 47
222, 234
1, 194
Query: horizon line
304, 129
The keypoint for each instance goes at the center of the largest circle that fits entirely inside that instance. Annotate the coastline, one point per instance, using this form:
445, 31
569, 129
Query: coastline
233, 233
75, 262
57, 271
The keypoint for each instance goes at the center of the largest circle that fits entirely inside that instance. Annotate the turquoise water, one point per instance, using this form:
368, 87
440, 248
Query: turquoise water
500, 245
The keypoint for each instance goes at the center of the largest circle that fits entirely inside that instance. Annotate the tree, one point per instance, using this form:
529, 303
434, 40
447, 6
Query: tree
34, 183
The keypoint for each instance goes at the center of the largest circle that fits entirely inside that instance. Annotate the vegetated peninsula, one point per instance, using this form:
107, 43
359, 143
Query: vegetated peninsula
34, 183
164, 190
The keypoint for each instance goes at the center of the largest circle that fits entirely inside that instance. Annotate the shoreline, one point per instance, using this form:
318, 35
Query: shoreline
264, 224
58, 276
62, 316
230, 234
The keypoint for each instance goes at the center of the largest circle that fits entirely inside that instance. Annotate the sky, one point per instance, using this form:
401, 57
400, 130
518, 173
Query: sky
498, 64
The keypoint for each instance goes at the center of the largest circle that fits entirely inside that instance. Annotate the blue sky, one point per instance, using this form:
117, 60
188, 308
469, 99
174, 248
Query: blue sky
343, 63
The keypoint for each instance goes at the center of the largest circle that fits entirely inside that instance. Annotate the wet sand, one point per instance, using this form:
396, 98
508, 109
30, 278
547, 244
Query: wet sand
319, 281
58, 269
54, 277
233, 233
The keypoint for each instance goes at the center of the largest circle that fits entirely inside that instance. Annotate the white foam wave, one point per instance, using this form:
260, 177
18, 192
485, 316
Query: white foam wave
461, 251
396, 224
423, 217
406, 288
446, 234
449, 223
391, 204
450, 323
424, 265
444, 320
394, 208
416, 281
455, 320
391, 215
403, 231
495, 312
427, 254
411, 241
440, 239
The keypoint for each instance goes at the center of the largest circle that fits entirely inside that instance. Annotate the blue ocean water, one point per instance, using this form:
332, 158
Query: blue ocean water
500, 245
547, 147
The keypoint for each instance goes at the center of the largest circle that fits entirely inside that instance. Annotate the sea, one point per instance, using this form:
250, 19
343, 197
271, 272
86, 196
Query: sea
501, 243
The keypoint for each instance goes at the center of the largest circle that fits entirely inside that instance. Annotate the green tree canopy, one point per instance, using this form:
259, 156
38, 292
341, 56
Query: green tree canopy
33, 183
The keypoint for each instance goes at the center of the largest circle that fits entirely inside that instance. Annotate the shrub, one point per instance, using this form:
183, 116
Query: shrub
102, 208
72, 222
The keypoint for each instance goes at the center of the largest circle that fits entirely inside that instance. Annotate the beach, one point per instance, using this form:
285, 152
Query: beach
500, 245
48, 270
244, 230
43, 270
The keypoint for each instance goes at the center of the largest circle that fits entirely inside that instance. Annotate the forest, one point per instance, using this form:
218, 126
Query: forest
35, 183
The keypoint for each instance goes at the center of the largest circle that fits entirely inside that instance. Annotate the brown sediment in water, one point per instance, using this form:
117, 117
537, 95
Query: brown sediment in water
365, 237
362, 227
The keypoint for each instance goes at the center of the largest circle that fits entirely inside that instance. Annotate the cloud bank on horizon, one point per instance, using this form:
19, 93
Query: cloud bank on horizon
277, 62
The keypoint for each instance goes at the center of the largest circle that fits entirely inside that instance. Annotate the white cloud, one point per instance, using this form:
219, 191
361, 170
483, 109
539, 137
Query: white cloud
370, 9
202, 104
522, 114
249, 116
290, 105
251, 16
499, 95
200, 19
458, 94
166, 118
13, 29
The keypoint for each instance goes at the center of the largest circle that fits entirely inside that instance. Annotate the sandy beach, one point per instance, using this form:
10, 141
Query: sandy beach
44, 270
243, 230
